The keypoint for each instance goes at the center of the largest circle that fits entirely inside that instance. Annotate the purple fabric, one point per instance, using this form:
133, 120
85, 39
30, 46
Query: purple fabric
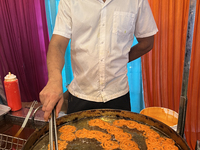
24, 42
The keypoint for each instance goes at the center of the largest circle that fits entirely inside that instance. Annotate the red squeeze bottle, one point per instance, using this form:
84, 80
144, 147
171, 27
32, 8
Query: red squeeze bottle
12, 92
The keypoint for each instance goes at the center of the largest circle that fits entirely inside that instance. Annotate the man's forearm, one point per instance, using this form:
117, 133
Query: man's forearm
52, 93
144, 45
55, 56
55, 62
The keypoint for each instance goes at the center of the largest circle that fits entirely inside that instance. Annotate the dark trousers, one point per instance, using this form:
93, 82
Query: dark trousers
76, 104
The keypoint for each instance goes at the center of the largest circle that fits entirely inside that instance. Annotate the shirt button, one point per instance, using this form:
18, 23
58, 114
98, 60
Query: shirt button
102, 42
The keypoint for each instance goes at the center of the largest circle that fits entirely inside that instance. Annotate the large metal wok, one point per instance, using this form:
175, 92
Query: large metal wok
39, 139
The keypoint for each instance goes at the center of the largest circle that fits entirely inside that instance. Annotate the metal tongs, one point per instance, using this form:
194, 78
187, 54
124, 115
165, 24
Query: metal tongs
26, 118
53, 140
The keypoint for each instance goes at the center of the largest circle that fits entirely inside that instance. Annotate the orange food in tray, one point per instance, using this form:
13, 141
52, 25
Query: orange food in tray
109, 145
61, 145
67, 137
122, 140
67, 128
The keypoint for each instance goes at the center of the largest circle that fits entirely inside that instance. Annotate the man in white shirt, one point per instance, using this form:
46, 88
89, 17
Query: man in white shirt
101, 34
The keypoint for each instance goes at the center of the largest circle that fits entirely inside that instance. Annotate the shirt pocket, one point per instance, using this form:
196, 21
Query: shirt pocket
123, 23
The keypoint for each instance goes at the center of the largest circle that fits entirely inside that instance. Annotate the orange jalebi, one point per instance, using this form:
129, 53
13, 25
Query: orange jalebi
98, 135
119, 123
128, 145
114, 130
67, 136
121, 136
61, 145
82, 133
110, 145
67, 128
99, 123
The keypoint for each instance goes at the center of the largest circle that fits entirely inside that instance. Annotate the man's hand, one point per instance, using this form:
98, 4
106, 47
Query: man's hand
51, 95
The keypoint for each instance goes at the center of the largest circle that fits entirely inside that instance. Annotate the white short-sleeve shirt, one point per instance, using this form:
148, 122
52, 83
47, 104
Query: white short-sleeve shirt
101, 37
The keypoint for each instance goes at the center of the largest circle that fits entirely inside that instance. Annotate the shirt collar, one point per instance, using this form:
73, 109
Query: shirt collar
106, 3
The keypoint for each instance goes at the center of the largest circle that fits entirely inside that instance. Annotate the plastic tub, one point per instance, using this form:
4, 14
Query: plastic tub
165, 115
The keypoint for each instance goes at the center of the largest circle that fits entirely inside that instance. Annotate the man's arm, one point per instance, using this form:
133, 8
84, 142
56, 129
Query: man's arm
144, 45
52, 93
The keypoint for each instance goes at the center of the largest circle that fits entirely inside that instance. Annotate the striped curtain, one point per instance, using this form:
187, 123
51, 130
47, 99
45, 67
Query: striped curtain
162, 68
23, 45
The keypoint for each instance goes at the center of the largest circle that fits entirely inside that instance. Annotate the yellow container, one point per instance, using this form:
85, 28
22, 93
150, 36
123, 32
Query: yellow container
165, 115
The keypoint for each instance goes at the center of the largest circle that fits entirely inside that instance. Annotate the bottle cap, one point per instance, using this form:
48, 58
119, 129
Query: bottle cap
10, 76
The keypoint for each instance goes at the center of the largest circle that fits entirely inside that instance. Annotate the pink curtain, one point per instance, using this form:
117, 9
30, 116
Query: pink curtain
23, 44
